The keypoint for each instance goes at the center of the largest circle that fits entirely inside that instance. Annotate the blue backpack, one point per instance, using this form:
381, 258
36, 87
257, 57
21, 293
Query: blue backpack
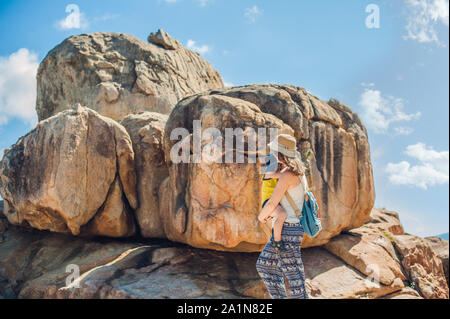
308, 218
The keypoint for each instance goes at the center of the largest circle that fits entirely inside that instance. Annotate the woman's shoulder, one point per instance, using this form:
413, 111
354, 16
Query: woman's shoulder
290, 178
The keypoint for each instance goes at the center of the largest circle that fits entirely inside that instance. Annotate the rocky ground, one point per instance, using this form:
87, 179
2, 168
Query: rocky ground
37, 264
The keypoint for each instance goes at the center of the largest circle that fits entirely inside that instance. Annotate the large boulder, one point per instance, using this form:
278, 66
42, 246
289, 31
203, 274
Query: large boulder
215, 205
74, 173
147, 131
117, 74
209, 204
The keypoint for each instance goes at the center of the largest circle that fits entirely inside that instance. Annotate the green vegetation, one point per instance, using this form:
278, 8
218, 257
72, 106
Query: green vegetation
388, 236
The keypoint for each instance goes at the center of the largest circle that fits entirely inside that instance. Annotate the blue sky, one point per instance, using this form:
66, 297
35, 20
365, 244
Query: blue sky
395, 75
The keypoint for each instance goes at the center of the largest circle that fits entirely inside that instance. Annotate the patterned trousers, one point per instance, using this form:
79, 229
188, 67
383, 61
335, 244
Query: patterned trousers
273, 266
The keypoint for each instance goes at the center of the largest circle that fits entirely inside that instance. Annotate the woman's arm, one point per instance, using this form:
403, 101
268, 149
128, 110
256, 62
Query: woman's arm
280, 189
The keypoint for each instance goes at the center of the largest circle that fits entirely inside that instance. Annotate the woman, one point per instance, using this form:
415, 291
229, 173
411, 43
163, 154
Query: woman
273, 264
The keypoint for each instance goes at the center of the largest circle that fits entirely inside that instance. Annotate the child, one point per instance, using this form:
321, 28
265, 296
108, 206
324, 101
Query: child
279, 215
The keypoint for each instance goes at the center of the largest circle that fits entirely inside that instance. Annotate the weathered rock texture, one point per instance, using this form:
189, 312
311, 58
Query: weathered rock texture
208, 204
116, 74
381, 250
370, 252
441, 249
147, 132
74, 174
331, 278
369, 249
215, 205
36, 264
40, 265
422, 265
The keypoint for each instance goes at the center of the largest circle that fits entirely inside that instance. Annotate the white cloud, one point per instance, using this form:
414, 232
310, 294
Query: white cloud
423, 18
380, 112
403, 130
74, 20
252, 13
18, 86
367, 85
432, 168
202, 3
191, 45
228, 84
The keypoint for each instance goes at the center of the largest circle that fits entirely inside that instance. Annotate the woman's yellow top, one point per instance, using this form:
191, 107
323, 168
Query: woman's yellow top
268, 186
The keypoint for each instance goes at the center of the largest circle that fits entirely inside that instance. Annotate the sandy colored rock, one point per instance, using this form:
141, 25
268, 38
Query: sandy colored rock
422, 265
212, 205
368, 251
328, 277
147, 131
74, 173
117, 74
35, 261
209, 204
114, 220
163, 39
405, 293
440, 248
385, 221
35, 264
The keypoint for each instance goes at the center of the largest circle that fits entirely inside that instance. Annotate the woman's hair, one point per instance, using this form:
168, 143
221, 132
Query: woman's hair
294, 164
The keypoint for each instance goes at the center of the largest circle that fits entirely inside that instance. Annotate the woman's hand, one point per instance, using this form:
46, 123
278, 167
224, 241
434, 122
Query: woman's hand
264, 220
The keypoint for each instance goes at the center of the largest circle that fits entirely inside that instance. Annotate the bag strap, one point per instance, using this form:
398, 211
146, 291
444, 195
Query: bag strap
294, 207
305, 187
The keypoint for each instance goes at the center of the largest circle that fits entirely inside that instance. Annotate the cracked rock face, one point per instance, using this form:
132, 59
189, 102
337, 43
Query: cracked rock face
208, 204
422, 265
117, 74
212, 205
34, 264
74, 174
147, 131
440, 248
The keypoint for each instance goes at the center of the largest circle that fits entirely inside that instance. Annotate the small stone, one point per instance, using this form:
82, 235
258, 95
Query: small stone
104, 65
163, 39
109, 92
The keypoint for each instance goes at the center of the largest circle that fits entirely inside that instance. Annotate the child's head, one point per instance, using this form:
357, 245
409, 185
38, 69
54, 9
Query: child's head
270, 164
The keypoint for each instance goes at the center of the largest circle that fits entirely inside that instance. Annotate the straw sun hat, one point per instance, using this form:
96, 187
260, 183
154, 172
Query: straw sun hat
285, 144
